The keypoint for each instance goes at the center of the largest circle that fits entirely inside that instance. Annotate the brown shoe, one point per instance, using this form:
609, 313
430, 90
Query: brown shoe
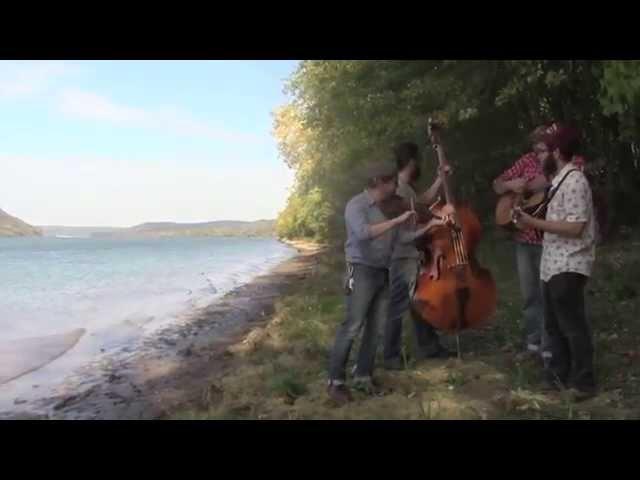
339, 393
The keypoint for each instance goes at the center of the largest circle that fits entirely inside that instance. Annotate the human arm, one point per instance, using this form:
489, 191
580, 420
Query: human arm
356, 218
513, 179
429, 195
559, 227
578, 205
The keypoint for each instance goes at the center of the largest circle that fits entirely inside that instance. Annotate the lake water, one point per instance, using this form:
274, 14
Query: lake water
113, 287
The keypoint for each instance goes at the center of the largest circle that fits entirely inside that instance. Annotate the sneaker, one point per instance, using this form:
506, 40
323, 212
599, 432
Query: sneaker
339, 393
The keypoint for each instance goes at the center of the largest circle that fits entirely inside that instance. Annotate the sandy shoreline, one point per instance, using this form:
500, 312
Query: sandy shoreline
174, 366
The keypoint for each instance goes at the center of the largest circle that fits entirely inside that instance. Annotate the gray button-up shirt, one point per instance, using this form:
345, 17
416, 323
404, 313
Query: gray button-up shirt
403, 246
362, 211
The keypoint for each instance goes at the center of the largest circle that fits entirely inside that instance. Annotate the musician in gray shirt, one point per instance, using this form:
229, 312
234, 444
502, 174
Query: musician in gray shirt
404, 269
368, 251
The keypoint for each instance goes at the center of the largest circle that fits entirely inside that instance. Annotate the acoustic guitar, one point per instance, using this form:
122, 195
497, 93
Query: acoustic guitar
529, 202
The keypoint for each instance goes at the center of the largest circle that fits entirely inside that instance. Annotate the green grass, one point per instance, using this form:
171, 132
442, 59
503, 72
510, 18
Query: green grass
456, 379
288, 384
285, 375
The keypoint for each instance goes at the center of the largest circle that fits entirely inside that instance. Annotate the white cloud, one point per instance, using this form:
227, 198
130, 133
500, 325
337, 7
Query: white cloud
91, 106
117, 192
21, 79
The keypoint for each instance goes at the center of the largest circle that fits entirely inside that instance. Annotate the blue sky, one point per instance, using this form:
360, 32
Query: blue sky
116, 143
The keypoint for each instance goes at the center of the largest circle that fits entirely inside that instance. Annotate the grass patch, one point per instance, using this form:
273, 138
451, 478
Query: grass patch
288, 384
284, 376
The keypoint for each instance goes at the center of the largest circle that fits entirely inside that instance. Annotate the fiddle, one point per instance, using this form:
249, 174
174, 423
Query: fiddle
395, 205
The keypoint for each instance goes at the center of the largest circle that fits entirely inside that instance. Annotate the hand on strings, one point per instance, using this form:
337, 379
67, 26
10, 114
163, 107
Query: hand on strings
521, 219
447, 210
446, 169
447, 214
449, 220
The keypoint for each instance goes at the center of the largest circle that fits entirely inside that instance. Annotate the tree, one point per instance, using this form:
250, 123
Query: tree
343, 114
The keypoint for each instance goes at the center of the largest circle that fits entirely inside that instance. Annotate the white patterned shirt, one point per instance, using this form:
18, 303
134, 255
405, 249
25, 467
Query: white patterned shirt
571, 203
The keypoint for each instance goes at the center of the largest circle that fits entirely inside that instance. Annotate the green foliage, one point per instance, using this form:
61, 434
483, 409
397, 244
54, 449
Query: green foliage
342, 114
305, 216
621, 94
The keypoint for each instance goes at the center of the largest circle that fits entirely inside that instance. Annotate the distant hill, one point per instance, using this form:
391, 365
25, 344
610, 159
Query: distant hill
14, 227
260, 228
82, 232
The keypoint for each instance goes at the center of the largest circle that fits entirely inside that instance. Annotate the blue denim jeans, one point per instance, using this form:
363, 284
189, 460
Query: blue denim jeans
366, 306
528, 258
403, 276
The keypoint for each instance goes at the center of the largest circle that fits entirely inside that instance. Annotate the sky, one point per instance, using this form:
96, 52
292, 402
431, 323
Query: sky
118, 143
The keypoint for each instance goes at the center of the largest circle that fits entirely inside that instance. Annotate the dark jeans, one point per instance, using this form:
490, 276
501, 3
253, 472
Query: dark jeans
568, 331
403, 276
367, 306
528, 258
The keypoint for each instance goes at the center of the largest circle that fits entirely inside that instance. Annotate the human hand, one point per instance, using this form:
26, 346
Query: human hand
521, 219
405, 216
447, 210
446, 169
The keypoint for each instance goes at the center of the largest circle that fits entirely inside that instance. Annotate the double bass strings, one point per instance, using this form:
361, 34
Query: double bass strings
458, 246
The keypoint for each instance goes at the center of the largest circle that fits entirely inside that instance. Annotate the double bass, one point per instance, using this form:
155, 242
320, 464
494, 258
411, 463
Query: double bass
454, 292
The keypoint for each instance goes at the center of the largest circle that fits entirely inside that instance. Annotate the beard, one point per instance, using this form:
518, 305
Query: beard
549, 166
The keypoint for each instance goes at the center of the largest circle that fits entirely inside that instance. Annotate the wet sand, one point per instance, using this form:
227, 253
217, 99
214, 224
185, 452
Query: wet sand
174, 366
21, 357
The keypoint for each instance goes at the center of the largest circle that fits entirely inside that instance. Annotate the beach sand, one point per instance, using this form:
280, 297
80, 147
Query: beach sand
174, 366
